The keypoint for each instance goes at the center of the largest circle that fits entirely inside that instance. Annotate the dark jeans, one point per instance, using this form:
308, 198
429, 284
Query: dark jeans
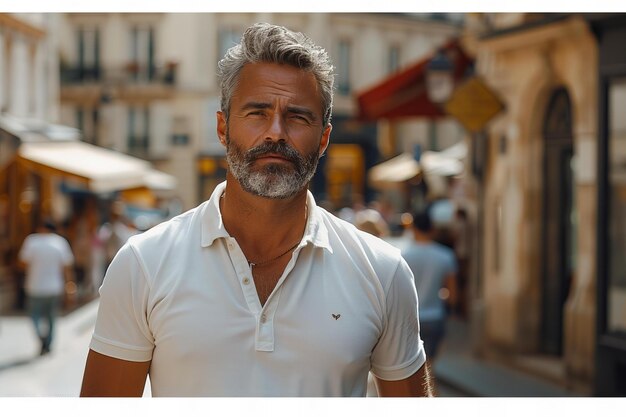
46, 308
432, 333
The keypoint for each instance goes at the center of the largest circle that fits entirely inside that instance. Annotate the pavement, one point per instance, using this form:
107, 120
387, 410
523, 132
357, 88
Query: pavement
23, 373
457, 368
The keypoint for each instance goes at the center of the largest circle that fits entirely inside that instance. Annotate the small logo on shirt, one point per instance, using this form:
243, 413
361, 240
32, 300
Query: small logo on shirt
336, 316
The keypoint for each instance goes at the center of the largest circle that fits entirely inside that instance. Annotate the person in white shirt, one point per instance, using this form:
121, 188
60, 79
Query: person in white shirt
47, 258
258, 291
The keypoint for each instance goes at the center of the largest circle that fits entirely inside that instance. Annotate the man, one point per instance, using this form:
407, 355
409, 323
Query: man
258, 291
434, 267
47, 258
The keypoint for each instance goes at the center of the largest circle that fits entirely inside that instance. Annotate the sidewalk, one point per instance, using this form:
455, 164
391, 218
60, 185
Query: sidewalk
459, 369
24, 373
59, 374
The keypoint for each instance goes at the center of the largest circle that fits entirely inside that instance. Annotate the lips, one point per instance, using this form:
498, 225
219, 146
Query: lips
272, 152
274, 156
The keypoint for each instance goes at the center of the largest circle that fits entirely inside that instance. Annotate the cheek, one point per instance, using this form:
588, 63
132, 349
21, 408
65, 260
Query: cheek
247, 129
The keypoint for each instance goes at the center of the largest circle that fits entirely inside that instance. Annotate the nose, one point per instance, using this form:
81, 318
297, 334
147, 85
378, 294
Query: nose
276, 131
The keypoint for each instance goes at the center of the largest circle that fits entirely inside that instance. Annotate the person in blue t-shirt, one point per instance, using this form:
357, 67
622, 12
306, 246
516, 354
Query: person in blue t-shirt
434, 267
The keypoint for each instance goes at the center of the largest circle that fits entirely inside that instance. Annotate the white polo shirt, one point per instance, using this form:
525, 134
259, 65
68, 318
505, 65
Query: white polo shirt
183, 296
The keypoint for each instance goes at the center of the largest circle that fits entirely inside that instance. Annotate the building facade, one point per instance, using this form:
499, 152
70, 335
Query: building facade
535, 296
28, 91
610, 357
145, 84
29, 65
46, 171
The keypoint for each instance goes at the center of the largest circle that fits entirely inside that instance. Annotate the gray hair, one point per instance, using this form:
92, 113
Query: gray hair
263, 42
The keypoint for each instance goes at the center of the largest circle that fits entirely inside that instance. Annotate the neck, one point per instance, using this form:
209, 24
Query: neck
421, 237
261, 225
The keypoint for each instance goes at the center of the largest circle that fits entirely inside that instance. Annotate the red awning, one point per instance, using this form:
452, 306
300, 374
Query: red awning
403, 94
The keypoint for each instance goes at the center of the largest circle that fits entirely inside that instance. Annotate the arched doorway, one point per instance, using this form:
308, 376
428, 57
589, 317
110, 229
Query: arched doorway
558, 219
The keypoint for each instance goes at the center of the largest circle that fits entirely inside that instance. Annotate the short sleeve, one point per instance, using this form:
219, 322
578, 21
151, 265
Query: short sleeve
25, 251
122, 329
453, 267
399, 352
68, 257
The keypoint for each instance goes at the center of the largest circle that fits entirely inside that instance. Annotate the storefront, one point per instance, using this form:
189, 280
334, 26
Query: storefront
48, 173
610, 376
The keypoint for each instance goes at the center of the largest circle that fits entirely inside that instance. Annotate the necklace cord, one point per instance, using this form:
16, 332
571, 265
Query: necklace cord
274, 258
253, 264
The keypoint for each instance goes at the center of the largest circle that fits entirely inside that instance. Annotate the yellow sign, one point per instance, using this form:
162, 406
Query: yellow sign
473, 104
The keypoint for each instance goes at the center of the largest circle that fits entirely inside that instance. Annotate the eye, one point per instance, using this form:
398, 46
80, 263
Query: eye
299, 118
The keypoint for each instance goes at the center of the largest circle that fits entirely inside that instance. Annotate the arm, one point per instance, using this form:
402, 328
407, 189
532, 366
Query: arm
68, 273
110, 377
70, 289
417, 385
451, 284
23, 257
21, 265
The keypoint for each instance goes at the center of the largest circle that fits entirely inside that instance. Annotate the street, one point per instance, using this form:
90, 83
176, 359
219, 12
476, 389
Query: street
23, 373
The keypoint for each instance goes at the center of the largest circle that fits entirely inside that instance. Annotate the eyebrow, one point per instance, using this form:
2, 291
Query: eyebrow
258, 105
255, 105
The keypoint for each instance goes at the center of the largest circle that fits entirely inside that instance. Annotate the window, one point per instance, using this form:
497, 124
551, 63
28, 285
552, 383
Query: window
180, 131
88, 46
142, 66
87, 123
343, 67
138, 131
393, 59
616, 294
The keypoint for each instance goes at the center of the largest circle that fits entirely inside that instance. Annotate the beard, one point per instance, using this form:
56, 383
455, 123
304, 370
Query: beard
273, 180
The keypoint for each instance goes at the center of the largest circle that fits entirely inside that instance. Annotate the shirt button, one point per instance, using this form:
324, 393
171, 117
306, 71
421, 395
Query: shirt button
263, 318
230, 246
246, 281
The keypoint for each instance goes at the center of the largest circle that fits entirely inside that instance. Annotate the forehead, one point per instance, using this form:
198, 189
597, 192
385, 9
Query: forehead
269, 82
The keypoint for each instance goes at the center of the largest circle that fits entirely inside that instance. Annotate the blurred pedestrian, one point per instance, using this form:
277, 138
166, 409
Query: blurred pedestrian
434, 267
114, 235
462, 250
83, 256
47, 258
441, 211
259, 291
371, 221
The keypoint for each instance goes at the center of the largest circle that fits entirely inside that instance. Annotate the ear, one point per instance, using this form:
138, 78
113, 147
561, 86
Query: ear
324, 142
222, 127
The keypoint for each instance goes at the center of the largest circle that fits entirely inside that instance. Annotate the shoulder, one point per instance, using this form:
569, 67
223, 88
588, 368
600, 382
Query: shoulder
163, 246
59, 239
444, 253
172, 232
347, 239
29, 240
443, 249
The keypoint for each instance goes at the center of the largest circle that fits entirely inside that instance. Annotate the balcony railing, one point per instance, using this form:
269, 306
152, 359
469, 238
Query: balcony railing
131, 73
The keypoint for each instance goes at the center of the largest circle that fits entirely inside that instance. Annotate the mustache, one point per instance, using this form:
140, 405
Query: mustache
279, 148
